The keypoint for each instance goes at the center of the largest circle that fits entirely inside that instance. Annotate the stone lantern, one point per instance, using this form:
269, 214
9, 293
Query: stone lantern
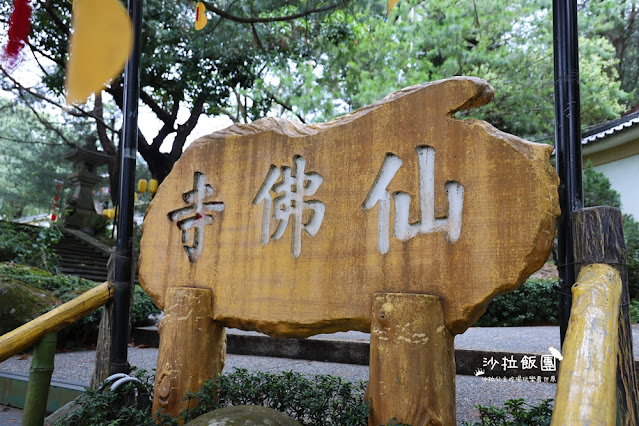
86, 162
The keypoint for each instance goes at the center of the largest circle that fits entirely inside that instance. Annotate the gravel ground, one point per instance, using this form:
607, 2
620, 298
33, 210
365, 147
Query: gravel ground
78, 366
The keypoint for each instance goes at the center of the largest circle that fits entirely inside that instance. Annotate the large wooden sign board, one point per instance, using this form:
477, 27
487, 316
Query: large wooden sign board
295, 227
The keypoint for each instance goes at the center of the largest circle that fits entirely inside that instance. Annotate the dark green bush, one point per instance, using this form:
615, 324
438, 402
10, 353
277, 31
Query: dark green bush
29, 245
515, 413
128, 405
322, 400
534, 303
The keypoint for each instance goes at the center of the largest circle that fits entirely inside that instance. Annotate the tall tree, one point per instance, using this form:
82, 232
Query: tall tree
313, 60
507, 43
210, 72
30, 162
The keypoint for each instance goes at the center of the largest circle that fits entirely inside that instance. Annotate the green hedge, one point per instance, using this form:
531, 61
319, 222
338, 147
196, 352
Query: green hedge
534, 303
320, 400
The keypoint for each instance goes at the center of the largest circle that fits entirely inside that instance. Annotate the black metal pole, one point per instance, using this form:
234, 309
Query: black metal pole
567, 145
124, 249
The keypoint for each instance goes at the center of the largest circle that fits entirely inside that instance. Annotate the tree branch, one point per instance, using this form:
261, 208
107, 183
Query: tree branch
47, 124
157, 110
56, 18
257, 37
185, 129
80, 112
243, 20
29, 142
105, 141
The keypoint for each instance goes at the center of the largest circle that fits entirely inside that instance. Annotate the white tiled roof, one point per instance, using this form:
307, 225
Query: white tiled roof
607, 132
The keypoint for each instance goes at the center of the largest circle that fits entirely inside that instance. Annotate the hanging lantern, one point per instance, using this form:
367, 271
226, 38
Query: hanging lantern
153, 186
142, 185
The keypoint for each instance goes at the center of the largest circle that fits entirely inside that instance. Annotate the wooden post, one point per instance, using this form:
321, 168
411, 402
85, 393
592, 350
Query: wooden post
192, 348
587, 379
412, 363
103, 347
598, 238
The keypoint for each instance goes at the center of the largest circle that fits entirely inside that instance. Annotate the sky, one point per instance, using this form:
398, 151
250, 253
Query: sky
29, 75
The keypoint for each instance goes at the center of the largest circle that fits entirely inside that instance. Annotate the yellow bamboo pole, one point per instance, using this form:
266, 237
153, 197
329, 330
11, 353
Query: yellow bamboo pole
32, 332
586, 390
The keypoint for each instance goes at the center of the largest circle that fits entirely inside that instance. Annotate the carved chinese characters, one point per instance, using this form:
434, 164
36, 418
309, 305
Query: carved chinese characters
308, 222
427, 223
293, 186
197, 207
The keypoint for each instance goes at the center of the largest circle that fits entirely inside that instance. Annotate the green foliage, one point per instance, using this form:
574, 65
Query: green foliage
599, 192
65, 288
427, 41
28, 245
31, 160
634, 311
534, 303
323, 400
631, 235
515, 413
127, 405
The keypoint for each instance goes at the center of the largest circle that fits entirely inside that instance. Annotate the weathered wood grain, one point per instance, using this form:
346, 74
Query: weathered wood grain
507, 218
412, 363
192, 348
586, 386
598, 239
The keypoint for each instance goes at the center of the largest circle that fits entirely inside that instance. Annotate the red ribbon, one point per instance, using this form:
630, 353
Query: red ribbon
19, 29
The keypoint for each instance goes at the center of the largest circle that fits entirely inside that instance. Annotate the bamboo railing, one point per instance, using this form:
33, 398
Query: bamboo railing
32, 332
41, 332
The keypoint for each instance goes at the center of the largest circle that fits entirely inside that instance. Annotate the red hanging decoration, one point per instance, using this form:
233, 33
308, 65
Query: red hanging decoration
19, 29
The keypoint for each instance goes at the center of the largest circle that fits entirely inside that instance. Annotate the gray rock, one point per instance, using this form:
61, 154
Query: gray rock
62, 413
245, 415
21, 303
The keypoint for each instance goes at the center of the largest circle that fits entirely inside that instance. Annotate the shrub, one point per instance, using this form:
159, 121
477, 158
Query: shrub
323, 400
30, 245
128, 405
534, 303
515, 413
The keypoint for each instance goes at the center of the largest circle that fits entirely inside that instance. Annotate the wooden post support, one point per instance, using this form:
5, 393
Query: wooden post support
192, 348
103, 347
412, 363
598, 238
586, 387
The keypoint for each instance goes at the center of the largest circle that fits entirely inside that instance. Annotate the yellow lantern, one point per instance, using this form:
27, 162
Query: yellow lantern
153, 186
135, 197
142, 185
